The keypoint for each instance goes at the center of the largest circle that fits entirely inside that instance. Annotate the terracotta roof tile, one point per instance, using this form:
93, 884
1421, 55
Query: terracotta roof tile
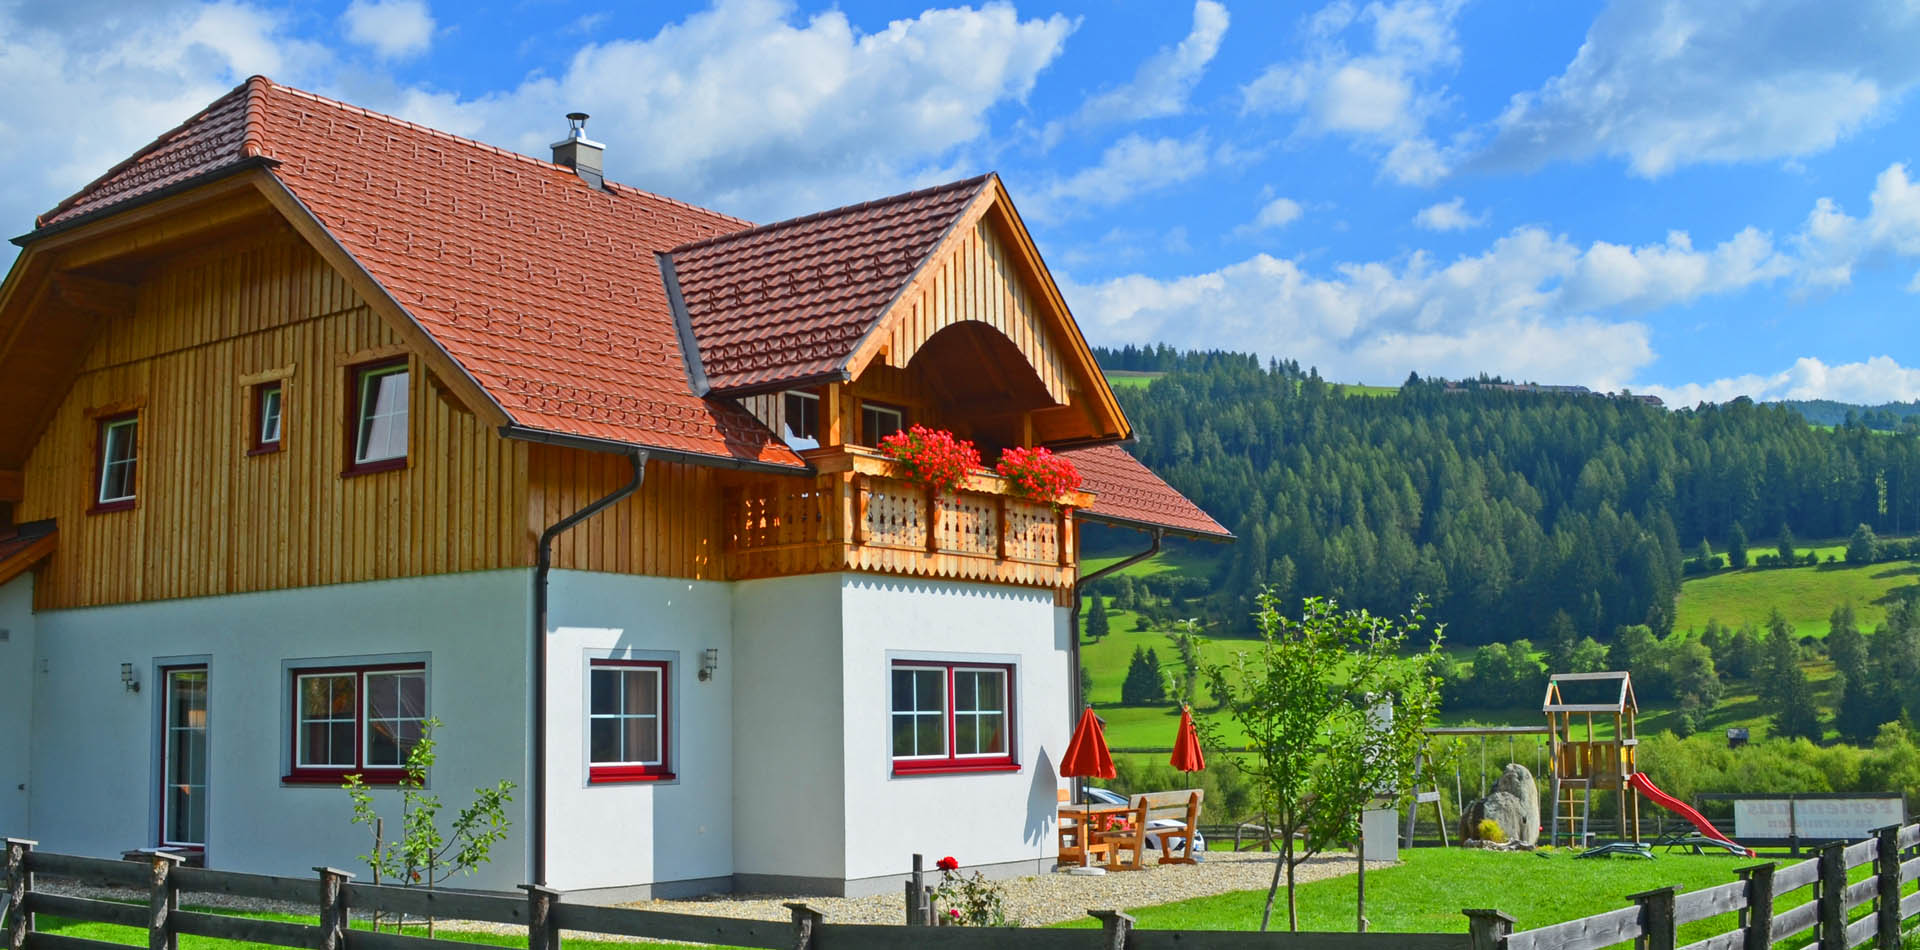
790, 301
1128, 492
545, 290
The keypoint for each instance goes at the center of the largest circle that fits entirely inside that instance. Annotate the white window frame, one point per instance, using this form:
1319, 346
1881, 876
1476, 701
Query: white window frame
108, 463
788, 435
367, 380
269, 433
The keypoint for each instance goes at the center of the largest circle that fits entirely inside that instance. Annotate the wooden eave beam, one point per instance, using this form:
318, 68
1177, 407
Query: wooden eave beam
20, 561
102, 298
437, 359
13, 485
155, 226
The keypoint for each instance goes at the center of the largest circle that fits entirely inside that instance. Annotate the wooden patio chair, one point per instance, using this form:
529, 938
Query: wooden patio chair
1074, 848
1129, 843
1176, 844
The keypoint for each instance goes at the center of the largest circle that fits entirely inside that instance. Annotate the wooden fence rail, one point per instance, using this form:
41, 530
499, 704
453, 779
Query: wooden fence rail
337, 897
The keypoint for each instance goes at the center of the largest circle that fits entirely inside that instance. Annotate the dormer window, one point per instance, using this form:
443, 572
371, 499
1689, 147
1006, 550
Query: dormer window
117, 462
877, 422
800, 420
379, 417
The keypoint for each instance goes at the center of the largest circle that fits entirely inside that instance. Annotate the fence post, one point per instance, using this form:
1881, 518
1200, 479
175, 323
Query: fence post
1758, 917
1488, 929
805, 921
542, 932
19, 884
1114, 927
1886, 867
1833, 887
1657, 924
163, 898
333, 908
917, 894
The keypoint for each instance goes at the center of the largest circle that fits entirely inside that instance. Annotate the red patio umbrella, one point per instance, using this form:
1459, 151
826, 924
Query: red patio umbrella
1087, 757
1187, 756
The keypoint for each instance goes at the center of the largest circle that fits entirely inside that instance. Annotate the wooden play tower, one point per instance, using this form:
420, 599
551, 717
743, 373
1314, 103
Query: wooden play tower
1599, 759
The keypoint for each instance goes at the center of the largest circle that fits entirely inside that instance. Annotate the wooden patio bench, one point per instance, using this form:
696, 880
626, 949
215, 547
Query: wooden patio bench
1176, 844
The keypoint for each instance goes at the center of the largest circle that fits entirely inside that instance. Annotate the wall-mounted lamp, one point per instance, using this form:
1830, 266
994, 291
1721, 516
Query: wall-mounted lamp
709, 662
128, 679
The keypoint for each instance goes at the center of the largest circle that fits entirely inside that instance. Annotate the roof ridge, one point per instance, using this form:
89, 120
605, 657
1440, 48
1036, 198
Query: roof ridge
40, 220
975, 181
476, 143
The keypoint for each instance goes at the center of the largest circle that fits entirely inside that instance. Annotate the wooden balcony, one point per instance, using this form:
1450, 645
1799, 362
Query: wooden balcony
854, 516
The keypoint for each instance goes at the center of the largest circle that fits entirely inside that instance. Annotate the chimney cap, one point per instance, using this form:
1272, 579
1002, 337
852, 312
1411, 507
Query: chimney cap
576, 125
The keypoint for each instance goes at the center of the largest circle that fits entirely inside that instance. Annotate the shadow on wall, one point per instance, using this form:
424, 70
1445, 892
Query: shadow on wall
1042, 801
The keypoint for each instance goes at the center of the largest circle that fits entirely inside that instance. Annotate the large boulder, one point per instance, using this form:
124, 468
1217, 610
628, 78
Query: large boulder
1514, 804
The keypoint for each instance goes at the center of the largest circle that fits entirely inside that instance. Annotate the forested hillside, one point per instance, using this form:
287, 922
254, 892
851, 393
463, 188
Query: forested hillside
1889, 416
1504, 508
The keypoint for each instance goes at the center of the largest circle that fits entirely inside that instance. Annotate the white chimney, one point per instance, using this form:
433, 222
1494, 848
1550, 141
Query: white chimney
580, 153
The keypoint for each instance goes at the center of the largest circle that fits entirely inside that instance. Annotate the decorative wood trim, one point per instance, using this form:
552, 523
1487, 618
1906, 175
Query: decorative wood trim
250, 380
119, 407
372, 354
437, 359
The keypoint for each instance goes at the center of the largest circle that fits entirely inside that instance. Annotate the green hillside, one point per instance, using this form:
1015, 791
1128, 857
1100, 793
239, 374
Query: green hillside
1805, 595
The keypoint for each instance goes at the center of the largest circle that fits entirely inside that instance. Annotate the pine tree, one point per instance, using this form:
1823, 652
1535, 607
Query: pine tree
1737, 547
1785, 687
1097, 628
1562, 640
1143, 685
1787, 552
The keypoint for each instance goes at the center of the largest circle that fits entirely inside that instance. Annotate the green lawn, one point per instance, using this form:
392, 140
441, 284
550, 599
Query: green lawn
137, 936
1806, 595
1426, 892
1130, 379
1197, 560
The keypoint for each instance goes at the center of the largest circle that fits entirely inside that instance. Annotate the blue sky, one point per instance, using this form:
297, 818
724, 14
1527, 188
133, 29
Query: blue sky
1693, 199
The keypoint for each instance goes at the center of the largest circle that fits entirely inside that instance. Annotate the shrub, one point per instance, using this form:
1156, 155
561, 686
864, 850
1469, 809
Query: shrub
932, 457
1489, 830
972, 901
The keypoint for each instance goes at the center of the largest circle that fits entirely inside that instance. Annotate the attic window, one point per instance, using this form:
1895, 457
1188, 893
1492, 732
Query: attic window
379, 418
117, 462
800, 420
266, 418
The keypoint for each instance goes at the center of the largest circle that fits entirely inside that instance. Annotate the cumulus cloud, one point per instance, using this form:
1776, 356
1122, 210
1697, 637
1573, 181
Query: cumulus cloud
1370, 75
1449, 216
1277, 213
1665, 83
1162, 84
751, 108
1132, 166
1833, 243
393, 29
1872, 381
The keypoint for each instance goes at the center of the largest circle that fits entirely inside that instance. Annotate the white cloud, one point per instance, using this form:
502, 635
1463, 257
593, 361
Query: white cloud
1449, 216
753, 109
1380, 96
1872, 381
1162, 84
1833, 243
393, 29
1277, 213
1666, 83
1132, 166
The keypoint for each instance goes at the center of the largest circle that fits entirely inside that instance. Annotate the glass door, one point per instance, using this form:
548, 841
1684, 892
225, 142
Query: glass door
183, 791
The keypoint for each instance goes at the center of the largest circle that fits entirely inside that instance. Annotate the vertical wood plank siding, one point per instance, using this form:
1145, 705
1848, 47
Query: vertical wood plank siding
212, 519
670, 528
981, 282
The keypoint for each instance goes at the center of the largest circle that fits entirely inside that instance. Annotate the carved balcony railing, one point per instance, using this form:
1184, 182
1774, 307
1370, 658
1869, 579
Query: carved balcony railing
856, 516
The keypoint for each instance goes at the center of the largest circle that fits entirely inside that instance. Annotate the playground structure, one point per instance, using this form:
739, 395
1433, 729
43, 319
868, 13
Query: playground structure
1592, 746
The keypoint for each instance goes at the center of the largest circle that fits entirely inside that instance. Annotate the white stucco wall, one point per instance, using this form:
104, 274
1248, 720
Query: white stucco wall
978, 818
95, 749
618, 835
16, 703
789, 812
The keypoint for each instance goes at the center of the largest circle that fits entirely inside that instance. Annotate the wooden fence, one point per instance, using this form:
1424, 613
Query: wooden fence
544, 915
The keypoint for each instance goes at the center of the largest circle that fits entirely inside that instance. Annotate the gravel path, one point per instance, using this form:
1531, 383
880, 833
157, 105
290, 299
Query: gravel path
1035, 900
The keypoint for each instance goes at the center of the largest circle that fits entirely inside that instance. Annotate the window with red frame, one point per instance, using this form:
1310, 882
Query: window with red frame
363, 720
628, 734
952, 717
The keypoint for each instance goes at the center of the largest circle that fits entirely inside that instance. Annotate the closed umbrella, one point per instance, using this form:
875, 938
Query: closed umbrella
1187, 756
1087, 757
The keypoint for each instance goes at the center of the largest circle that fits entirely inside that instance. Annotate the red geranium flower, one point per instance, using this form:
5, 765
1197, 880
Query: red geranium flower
931, 457
1037, 473
947, 864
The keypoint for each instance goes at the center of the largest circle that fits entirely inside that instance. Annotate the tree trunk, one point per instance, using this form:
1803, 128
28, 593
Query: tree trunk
1360, 909
1266, 916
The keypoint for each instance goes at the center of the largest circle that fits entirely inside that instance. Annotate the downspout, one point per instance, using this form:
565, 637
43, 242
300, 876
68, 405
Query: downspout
543, 563
1073, 629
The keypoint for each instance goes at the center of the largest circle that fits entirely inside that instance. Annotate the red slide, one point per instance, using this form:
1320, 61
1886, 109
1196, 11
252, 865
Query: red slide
1645, 786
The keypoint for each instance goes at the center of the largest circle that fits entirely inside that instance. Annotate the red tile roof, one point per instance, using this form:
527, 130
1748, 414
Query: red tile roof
790, 301
549, 293
1127, 492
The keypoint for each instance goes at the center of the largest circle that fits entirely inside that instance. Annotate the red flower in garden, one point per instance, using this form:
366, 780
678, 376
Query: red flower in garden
954, 912
947, 864
932, 457
1037, 473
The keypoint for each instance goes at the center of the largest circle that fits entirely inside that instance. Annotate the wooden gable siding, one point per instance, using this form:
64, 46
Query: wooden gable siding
669, 528
211, 519
978, 281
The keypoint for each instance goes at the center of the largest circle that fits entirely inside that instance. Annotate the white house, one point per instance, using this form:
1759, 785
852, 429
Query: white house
318, 424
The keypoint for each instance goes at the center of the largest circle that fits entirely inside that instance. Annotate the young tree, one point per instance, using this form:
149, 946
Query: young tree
1097, 626
1787, 555
1862, 547
1306, 700
1737, 547
1705, 555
